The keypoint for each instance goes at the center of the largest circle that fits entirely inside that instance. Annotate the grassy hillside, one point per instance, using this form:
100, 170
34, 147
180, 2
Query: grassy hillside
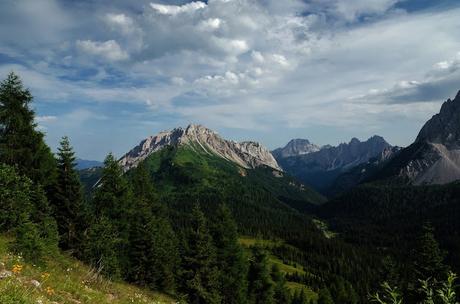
62, 279
286, 267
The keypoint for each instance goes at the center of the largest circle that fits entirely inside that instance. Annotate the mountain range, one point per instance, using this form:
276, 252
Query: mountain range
319, 167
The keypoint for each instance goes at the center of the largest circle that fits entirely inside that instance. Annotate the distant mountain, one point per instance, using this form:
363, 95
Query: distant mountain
195, 162
295, 147
246, 154
86, 164
320, 168
434, 157
361, 173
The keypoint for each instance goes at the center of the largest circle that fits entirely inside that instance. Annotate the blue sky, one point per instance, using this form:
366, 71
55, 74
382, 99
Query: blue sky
110, 73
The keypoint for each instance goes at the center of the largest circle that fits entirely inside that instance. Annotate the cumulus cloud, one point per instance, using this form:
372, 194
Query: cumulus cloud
177, 9
109, 49
247, 64
439, 82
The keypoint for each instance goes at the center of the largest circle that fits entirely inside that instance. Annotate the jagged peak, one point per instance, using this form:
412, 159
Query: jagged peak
444, 127
247, 154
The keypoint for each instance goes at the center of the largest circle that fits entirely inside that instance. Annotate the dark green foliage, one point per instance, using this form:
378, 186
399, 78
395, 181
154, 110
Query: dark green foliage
261, 286
103, 246
68, 199
200, 273
231, 260
300, 297
24, 210
325, 297
112, 209
282, 294
428, 259
153, 247
21, 145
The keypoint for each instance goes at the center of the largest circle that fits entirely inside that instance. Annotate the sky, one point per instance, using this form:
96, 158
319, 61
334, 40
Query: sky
109, 73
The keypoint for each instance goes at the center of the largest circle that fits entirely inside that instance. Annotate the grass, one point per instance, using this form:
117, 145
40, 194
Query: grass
65, 280
248, 241
286, 268
295, 287
323, 226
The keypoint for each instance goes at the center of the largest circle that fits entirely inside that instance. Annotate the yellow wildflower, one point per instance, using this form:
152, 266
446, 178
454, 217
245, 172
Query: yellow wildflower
49, 291
45, 275
17, 268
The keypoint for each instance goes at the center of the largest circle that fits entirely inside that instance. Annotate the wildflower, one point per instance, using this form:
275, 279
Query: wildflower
45, 275
17, 268
49, 291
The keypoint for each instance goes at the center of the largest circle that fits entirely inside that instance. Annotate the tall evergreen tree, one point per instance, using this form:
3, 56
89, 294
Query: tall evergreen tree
200, 273
68, 200
324, 296
21, 145
261, 286
429, 258
232, 262
153, 253
24, 210
112, 202
282, 294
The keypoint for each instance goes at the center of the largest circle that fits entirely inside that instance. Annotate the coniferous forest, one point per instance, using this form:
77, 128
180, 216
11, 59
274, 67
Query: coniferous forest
192, 226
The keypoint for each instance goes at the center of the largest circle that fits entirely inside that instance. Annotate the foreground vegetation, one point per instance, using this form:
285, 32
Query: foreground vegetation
62, 279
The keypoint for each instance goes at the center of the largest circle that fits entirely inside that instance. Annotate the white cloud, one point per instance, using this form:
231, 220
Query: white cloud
210, 24
107, 50
45, 118
177, 9
121, 22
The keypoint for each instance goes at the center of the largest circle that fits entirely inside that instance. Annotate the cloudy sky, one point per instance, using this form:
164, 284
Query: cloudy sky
108, 73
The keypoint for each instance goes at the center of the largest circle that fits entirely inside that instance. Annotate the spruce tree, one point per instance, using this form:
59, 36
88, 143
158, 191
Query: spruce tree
282, 294
200, 273
112, 207
24, 210
261, 286
21, 145
231, 258
153, 249
429, 258
324, 296
68, 200
153, 253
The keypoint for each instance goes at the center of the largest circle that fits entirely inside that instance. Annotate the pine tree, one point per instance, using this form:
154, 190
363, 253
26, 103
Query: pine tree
102, 248
68, 200
300, 297
200, 273
21, 145
153, 253
282, 294
24, 210
153, 250
112, 207
324, 296
428, 259
261, 286
231, 258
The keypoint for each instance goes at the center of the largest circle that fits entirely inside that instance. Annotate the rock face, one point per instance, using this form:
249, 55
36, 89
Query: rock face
296, 147
434, 157
245, 154
444, 127
320, 168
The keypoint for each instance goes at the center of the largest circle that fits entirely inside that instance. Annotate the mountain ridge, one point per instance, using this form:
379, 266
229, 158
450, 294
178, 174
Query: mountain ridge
247, 154
319, 169
434, 157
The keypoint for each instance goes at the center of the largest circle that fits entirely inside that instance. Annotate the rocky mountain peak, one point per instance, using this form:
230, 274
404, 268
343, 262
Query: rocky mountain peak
245, 154
444, 127
296, 147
